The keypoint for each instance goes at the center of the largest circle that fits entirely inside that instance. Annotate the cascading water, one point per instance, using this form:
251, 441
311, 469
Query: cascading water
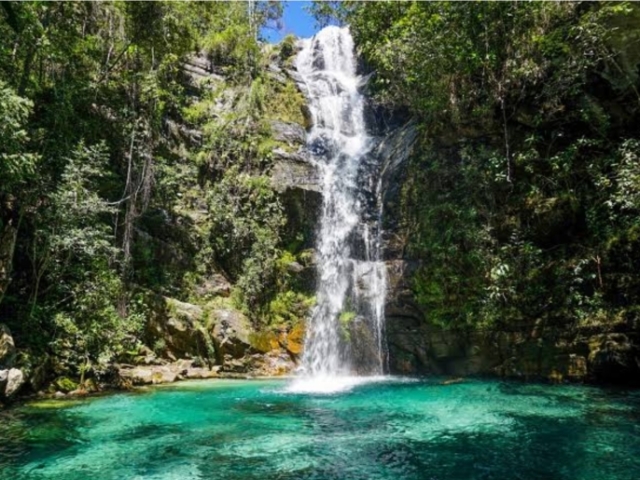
345, 332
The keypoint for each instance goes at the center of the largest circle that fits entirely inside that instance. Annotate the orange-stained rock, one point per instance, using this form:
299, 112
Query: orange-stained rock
264, 342
293, 341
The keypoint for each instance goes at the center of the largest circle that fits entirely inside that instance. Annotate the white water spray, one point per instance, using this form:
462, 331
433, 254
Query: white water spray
345, 332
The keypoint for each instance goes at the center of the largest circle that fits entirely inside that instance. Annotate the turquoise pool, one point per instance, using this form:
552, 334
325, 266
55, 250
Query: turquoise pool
387, 429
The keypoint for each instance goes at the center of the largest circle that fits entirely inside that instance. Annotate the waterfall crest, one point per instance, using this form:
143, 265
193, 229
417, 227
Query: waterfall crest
345, 331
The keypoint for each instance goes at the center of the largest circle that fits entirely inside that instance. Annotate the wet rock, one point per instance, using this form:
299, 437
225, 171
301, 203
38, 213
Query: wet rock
400, 301
393, 153
364, 347
7, 347
302, 201
294, 75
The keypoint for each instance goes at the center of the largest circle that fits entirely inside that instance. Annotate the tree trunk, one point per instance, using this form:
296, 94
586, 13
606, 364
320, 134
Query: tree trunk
8, 236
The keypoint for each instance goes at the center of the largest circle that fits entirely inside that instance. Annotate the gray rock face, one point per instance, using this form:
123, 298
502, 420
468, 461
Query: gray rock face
297, 180
178, 326
556, 354
400, 296
230, 333
394, 152
294, 171
7, 347
200, 71
291, 133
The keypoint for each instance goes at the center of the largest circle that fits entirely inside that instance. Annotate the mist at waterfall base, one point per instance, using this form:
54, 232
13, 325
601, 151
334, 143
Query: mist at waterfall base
344, 344
396, 430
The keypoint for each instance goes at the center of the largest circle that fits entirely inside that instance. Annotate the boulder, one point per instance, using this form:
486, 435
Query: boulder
7, 347
15, 380
272, 364
236, 365
151, 375
293, 340
231, 332
178, 327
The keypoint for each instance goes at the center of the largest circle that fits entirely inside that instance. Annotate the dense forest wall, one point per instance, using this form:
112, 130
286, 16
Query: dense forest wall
513, 225
156, 209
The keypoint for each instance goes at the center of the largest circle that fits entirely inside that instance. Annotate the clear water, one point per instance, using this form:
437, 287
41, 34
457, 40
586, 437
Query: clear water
390, 429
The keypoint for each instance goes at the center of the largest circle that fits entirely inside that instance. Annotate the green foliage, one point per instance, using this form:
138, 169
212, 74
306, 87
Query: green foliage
91, 333
286, 103
17, 164
289, 308
287, 47
98, 174
346, 317
65, 384
521, 201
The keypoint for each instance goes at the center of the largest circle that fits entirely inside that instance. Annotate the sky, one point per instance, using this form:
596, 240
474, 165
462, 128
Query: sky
295, 20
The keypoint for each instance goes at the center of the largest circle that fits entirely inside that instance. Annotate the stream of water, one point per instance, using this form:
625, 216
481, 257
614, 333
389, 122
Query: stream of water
345, 332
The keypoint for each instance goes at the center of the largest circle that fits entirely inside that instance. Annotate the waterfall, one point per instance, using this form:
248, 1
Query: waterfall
345, 331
